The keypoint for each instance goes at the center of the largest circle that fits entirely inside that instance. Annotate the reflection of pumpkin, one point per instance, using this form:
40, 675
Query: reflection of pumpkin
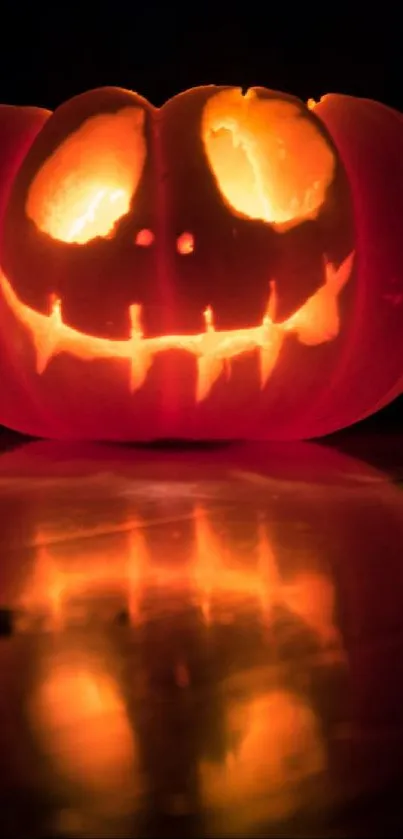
191, 271
82, 719
80, 724
218, 574
71, 508
279, 749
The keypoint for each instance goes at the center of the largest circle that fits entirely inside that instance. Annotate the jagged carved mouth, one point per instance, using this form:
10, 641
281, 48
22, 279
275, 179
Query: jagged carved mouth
316, 322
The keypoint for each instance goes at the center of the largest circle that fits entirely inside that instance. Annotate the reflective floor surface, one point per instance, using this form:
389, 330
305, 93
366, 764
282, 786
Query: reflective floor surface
201, 642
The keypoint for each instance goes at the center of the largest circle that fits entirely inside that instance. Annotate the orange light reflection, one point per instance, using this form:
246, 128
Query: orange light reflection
278, 749
80, 720
215, 570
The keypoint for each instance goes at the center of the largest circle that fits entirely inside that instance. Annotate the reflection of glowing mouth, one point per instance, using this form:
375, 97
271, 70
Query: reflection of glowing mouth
316, 322
214, 573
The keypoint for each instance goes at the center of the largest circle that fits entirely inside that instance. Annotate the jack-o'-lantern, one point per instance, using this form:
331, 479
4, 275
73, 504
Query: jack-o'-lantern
226, 266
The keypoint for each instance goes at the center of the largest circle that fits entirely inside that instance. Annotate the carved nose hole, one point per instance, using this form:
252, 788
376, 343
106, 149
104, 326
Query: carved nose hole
185, 243
144, 238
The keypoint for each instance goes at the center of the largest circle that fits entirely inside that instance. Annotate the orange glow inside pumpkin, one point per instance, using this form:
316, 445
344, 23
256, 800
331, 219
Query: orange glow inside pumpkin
269, 159
276, 737
185, 243
144, 238
87, 184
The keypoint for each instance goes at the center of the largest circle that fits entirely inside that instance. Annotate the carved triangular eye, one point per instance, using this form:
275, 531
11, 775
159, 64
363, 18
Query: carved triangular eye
88, 182
270, 159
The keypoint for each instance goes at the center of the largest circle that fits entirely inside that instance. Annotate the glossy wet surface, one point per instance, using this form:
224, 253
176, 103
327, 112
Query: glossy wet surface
201, 642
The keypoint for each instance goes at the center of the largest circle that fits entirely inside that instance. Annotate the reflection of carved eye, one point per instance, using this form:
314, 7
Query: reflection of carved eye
268, 156
88, 183
185, 243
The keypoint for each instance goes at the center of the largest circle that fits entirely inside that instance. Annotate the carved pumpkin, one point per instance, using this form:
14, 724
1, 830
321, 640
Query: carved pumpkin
227, 266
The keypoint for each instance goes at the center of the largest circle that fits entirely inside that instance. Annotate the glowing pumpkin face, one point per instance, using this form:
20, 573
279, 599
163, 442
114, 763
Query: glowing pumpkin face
188, 271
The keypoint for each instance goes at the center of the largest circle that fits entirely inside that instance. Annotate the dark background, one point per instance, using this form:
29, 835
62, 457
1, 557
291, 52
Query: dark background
50, 52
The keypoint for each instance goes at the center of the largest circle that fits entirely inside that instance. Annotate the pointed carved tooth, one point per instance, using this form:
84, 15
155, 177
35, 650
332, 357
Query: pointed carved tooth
270, 350
46, 340
139, 367
336, 278
141, 360
273, 300
268, 360
209, 365
209, 369
208, 319
318, 319
273, 338
44, 352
